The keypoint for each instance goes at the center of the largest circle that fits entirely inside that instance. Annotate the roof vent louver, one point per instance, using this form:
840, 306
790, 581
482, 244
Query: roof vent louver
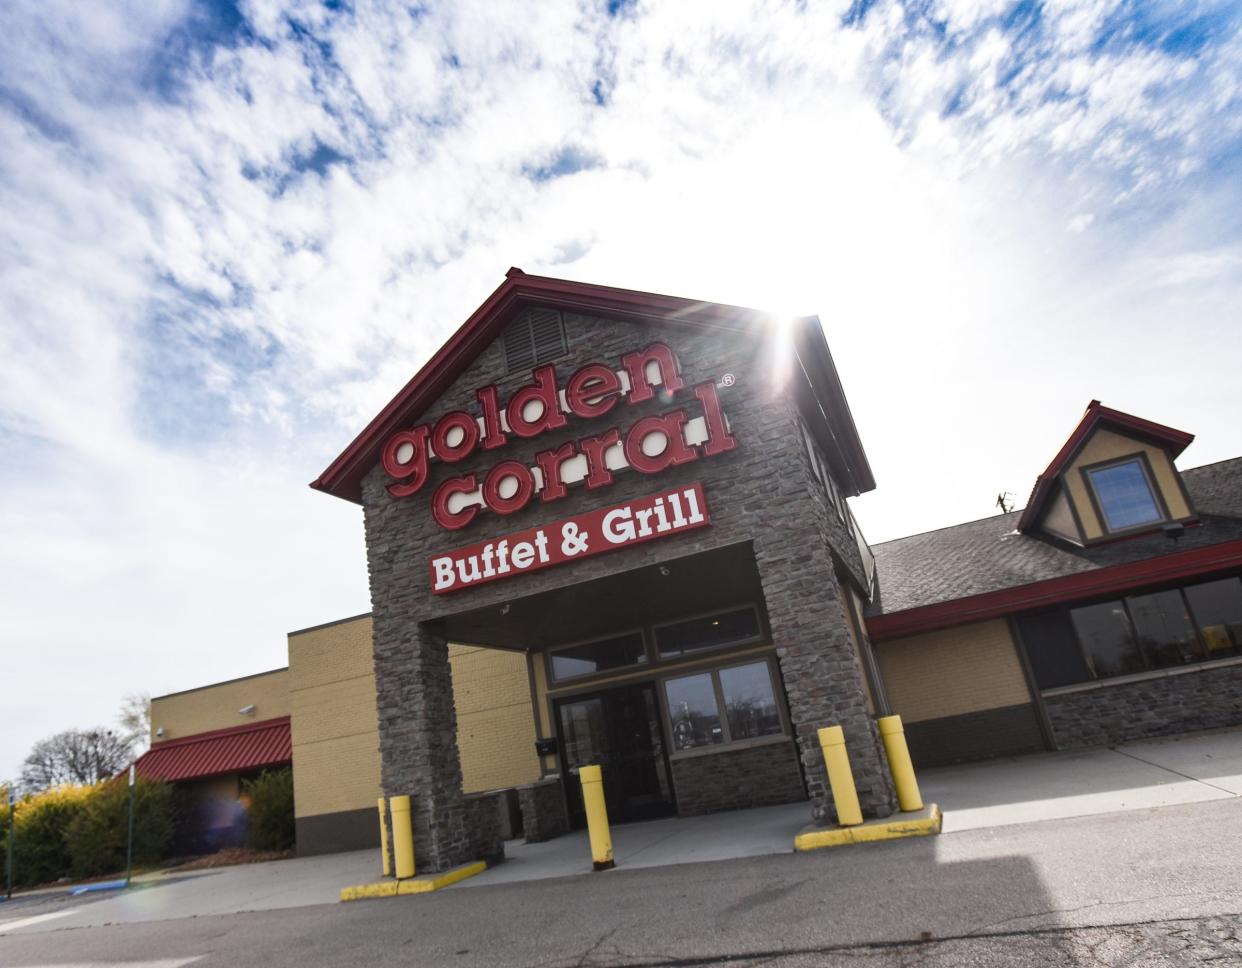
536, 336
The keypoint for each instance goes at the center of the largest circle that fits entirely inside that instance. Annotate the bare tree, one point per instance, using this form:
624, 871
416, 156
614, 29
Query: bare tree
135, 720
75, 756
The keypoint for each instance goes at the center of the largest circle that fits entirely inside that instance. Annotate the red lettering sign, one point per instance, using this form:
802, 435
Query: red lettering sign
583, 536
649, 445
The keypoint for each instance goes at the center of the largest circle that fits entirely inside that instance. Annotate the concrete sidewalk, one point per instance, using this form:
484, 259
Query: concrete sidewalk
1051, 786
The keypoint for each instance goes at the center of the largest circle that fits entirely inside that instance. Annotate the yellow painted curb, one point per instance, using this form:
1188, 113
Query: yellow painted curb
919, 823
424, 884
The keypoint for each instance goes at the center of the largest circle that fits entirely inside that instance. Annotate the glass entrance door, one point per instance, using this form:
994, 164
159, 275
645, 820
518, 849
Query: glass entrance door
620, 730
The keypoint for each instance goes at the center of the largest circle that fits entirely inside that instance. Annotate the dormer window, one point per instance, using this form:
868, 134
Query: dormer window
1124, 494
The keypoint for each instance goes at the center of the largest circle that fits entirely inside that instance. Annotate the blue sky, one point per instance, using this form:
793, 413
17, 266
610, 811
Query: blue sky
232, 231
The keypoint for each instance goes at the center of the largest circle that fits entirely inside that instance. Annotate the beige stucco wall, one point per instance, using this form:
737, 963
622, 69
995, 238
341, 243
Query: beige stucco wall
336, 765
966, 669
1059, 519
1106, 445
329, 692
849, 595
495, 720
216, 707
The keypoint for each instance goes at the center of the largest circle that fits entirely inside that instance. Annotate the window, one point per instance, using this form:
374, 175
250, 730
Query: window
1107, 639
1162, 630
693, 712
1124, 495
750, 704
709, 632
746, 694
536, 336
1165, 632
1217, 610
588, 658
1052, 647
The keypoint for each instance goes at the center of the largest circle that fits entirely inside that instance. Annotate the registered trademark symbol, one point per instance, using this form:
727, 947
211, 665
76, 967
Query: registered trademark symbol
727, 380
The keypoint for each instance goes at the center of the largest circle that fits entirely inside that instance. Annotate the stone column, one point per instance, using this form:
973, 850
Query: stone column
418, 746
823, 679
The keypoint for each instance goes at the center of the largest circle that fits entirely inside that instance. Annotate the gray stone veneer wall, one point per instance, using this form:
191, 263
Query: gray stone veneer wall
725, 779
543, 809
762, 492
1205, 698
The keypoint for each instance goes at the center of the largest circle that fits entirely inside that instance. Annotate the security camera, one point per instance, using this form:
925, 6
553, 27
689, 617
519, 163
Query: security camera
159, 733
247, 710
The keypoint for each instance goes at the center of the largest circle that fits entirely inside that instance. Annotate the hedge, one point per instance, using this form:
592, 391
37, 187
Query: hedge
81, 831
98, 835
271, 809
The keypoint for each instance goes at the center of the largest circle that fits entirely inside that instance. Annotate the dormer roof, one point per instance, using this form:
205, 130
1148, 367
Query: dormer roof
343, 477
1097, 416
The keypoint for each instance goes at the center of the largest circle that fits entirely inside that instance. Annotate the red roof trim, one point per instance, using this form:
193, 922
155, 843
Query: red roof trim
1057, 591
219, 751
1095, 416
343, 477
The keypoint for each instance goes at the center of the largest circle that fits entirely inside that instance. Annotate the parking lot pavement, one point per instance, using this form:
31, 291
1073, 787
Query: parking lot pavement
1049, 786
297, 882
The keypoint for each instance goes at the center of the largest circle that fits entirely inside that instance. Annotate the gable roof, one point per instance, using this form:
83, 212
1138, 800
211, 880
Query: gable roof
1095, 417
985, 568
343, 477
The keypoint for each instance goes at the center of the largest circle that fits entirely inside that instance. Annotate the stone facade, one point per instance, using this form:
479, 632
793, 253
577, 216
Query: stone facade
1193, 699
732, 779
543, 809
763, 492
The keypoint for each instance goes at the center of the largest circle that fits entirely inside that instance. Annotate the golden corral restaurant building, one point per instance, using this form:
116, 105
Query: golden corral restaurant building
610, 527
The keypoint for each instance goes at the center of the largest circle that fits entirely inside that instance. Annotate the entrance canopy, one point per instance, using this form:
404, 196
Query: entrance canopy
673, 589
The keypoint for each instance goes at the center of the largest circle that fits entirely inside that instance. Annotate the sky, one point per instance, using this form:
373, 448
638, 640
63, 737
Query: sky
231, 231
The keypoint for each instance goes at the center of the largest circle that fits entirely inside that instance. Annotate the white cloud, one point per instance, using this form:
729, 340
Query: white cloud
194, 318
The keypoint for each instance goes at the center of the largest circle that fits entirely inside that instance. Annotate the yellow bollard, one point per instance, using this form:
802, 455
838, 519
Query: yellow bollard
402, 836
894, 736
383, 815
597, 817
837, 760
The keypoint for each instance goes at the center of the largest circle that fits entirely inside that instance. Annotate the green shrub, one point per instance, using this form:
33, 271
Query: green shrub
96, 838
40, 850
271, 809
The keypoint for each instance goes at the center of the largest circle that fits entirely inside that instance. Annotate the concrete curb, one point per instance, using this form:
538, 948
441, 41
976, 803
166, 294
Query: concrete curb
918, 823
423, 884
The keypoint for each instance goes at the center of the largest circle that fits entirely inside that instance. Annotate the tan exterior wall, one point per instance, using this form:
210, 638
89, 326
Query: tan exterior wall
336, 765
1106, 445
967, 669
495, 722
215, 707
1060, 519
849, 595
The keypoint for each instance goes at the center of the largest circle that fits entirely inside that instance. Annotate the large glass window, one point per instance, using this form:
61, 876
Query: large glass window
1165, 633
599, 656
750, 703
1217, 610
1124, 495
710, 632
746, 694
1161, 630
1052, 647
694, 712
1107, 639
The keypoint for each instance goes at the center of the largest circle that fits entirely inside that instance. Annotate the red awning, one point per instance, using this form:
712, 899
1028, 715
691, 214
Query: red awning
233, 750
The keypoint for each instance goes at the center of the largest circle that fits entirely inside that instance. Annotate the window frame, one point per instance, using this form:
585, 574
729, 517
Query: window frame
1144, 464
728, 742
761, 634
1096, 681
649, 657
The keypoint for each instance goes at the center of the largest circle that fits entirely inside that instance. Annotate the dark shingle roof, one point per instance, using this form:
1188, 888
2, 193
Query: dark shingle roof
989, 554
